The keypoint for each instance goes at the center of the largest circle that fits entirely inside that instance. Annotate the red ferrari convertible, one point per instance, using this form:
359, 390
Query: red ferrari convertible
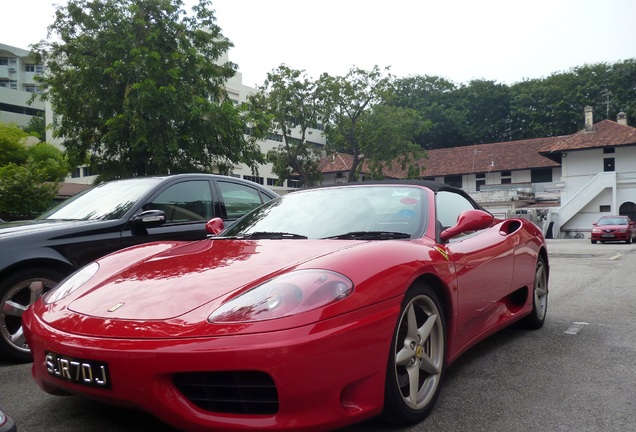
319, 309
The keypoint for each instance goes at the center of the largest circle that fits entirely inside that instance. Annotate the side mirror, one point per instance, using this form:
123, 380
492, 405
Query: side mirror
150, 218
469, 220
215, 226
594, 223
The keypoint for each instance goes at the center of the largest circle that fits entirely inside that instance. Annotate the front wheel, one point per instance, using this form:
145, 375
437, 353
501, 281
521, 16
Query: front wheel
416, 359
17, 292
539, 297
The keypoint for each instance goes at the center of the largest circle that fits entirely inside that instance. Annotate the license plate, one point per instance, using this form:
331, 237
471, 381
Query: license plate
607, 235
79, 371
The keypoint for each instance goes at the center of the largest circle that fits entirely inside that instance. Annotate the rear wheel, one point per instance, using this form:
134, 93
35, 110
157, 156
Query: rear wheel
539, 297
17, 293
416, 361
593, 241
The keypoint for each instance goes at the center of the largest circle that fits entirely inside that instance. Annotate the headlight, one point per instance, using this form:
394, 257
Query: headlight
289, 294
71, 283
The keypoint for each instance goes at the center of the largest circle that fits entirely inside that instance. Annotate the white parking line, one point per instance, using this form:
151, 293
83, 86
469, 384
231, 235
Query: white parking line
575, 328
617, 256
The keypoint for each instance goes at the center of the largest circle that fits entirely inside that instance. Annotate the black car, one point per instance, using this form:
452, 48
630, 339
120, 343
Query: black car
6, 423
35, 255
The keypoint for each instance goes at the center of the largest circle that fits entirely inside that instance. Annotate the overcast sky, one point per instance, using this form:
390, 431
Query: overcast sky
502, 40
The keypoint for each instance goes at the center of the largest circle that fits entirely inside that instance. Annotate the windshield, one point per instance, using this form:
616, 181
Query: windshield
365, 212
106, 201
612, 221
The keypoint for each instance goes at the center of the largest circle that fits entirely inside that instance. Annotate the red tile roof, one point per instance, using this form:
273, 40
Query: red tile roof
606, 133
482, 158
66, 190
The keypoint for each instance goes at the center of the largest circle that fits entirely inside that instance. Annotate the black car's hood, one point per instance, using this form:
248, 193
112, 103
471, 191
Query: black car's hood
21, 228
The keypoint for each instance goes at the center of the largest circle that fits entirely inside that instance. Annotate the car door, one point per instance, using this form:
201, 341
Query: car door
188, 205
484, 264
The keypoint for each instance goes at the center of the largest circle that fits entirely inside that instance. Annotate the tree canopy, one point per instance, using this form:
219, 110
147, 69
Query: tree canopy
29, 175
138, 88
288, 104
359, 122
484, 111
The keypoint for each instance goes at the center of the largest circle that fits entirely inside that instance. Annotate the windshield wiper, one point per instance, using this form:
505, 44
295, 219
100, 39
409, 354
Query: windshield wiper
270, 235
371, 235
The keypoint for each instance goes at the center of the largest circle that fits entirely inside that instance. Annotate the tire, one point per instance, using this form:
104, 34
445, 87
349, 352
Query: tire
417, 356
593, 241
17, 293
629, 240
536, 319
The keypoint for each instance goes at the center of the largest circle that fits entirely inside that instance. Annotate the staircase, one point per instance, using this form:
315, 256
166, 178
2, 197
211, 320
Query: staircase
587, 193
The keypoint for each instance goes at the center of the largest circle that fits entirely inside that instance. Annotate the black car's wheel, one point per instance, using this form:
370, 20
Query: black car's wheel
17, 293
416, 360
539, 297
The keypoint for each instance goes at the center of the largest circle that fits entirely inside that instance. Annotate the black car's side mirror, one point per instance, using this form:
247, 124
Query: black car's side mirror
150, 218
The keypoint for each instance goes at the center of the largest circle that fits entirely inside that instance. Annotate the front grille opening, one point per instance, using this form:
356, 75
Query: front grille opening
238, 392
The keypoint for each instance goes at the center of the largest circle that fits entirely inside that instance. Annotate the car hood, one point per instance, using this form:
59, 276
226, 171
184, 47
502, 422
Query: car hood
165, 283
26, 227
612, 227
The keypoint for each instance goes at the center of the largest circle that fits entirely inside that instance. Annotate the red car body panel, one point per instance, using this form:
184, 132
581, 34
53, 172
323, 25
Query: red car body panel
334, 356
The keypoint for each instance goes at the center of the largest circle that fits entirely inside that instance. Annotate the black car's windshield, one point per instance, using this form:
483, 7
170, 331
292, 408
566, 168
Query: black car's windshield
371, 212
103, 202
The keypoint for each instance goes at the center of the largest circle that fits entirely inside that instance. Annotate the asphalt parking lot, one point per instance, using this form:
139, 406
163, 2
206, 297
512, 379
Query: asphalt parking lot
578, 373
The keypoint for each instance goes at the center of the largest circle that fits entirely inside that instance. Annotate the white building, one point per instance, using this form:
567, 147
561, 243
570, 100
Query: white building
17, 85
598, 176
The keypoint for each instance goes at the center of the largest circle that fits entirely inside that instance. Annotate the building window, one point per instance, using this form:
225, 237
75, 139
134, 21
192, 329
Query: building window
506, 181
76, 173
506, 173
254, 179
32, 88
609, 150
605, 209
271, 182
293, 183
29, 67
541, 175
608, 164
455, 181
480, 183
86, 172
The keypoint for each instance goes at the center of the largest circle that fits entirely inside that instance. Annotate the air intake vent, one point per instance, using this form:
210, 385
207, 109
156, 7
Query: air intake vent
245, 392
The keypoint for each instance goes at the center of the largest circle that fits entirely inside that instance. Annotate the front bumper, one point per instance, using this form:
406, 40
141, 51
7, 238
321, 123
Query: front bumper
327, 375
612, 236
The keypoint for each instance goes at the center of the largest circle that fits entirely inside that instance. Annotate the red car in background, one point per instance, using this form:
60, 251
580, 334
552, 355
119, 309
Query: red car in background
321, 308
614, 228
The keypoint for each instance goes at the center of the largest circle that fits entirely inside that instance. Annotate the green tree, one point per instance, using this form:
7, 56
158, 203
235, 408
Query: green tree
12, 148
138, 86
358, 123
36, 127
288, 102
24, 192
50, 159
